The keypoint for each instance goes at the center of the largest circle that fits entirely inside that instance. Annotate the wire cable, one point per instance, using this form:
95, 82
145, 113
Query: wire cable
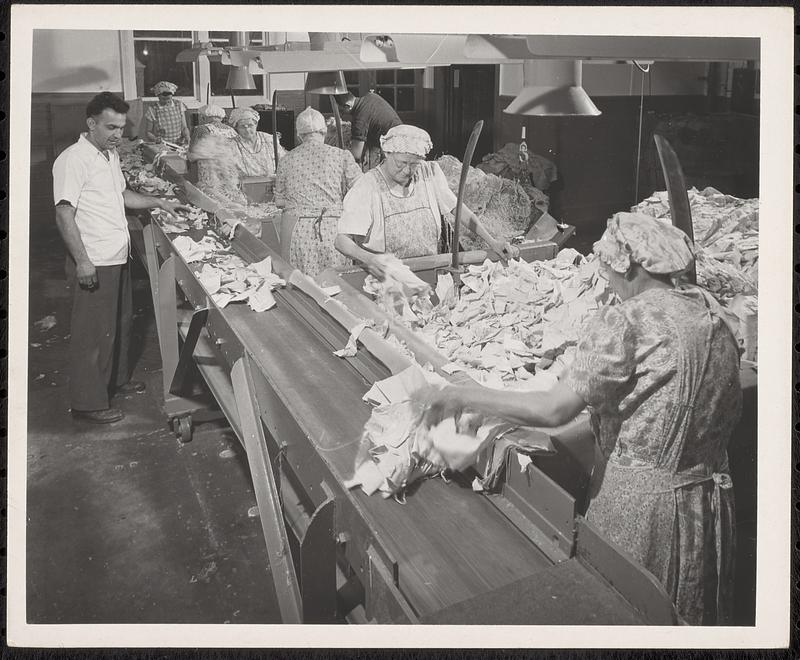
639, 139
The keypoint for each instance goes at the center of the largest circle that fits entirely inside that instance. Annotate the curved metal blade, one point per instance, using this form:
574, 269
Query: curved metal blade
275, 126
473, 140
680, 210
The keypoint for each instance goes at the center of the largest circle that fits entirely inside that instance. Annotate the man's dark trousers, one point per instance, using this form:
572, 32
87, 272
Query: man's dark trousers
100, 336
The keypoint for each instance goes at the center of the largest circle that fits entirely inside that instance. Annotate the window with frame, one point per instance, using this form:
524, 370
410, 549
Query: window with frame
397, 86
155, 52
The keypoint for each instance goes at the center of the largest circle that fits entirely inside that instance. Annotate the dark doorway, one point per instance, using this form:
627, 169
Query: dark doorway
471, 98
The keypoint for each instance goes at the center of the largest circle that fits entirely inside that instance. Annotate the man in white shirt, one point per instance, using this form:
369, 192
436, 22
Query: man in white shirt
90, 194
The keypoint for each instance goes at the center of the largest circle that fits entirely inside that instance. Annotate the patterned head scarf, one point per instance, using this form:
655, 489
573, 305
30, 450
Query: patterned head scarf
406, 139
310, 121
635, 238
212, 111
237, 114
164, 86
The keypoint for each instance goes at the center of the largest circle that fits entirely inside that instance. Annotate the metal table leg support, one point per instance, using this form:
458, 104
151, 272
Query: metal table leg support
266, 491
186, 358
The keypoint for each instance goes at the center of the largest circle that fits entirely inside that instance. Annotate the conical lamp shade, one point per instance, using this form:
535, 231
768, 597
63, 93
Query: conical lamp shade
240, 78
325, 82
552, 88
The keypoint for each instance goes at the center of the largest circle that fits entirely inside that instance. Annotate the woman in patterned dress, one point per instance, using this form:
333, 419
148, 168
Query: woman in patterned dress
397, 207
167, 119
660, 374
311, 183
213, 151
255, 151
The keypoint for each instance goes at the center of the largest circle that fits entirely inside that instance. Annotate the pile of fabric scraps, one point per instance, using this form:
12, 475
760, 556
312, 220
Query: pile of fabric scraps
145, 181
196, 218
726, 238
503, 206
141, 176
228, 279
515, 326
506, 163
165, 151
330, 137
398, 449
399, 288
130, 154
193, 251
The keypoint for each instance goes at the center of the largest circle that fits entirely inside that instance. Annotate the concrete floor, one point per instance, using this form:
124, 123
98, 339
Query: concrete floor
125, 523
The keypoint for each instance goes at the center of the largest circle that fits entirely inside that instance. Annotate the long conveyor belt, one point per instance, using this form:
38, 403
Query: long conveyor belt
421, 561
448, 555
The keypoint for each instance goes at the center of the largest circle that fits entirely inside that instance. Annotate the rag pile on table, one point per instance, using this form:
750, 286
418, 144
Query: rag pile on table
537, 170
726, 242
505, 207
512, 327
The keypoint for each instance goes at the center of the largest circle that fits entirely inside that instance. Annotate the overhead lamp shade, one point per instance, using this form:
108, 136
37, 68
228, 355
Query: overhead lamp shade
239, 77
325, 82
552, 88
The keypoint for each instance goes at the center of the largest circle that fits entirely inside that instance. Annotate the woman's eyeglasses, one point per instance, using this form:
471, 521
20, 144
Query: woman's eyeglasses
409, 166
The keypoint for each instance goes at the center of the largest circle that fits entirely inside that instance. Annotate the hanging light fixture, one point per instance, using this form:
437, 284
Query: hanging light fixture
325, 82
239, 76
552, 88
330, 83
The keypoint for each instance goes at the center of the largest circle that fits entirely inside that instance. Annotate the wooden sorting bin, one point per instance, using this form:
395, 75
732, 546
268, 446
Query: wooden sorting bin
258, 189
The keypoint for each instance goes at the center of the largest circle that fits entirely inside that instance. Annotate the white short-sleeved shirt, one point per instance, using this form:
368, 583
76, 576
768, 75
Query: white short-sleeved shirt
360, 216
93, 185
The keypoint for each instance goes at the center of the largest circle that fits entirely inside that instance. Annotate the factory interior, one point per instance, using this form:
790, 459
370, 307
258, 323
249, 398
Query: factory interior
475, 417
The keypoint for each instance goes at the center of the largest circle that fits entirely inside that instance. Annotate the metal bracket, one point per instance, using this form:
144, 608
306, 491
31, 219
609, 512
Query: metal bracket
186, 356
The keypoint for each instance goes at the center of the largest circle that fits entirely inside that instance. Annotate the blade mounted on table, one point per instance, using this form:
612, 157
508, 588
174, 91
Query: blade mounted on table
473, 141
680, 210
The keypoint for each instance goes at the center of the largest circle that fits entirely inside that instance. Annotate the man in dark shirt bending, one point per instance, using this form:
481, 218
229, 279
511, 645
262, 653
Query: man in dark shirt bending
371, 117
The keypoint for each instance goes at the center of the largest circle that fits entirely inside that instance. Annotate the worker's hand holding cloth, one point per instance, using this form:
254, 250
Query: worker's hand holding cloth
398, 206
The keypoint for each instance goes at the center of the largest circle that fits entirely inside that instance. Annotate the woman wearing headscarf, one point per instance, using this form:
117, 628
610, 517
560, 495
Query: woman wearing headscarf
397, 207
213, 152
660, 374
166, 120
311, 183
254, 148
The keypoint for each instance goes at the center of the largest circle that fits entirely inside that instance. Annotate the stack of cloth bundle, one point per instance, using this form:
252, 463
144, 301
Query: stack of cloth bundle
505, 207
725, 235
540, 171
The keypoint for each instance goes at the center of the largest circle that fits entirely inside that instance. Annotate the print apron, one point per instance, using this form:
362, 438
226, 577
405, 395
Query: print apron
311, 247
168, 121
661, 515
411, 226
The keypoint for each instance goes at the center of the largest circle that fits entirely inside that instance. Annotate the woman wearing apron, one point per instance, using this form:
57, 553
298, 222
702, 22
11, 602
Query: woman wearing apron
660, 374
398, 206
311, 182
166, 120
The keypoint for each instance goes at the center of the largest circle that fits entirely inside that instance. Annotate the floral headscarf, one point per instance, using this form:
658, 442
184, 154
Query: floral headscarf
406, 139
635, 238
212, 111
310, 121
237, 114
164, 86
